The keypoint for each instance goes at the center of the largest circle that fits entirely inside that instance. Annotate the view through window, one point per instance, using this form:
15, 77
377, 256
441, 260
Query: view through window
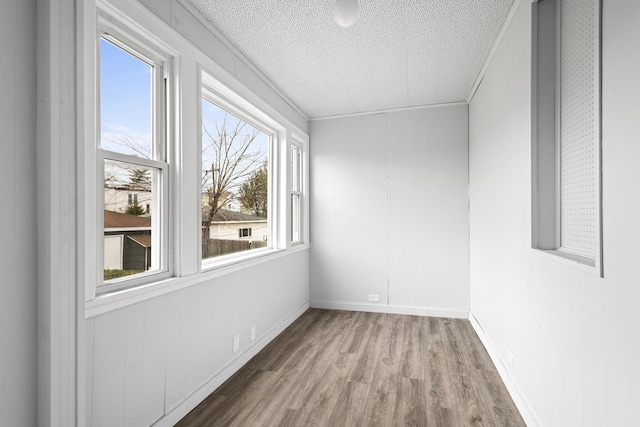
131, 170
235, 183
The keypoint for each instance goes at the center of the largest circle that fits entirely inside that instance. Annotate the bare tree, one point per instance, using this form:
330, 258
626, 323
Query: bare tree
130, 145
230, 155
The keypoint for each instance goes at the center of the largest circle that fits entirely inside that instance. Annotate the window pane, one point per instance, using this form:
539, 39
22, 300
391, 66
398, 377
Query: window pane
579, 114
126, 88
129, 220
235, 178
295, 218
295, 168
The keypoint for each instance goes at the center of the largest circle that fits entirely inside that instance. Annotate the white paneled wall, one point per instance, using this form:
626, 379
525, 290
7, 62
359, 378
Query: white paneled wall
574, 336
389, 211
162, 356
18, 243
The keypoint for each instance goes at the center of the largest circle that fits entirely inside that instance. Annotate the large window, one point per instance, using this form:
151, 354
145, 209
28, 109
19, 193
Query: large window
185, 173
132, 159
236, 171
566, 133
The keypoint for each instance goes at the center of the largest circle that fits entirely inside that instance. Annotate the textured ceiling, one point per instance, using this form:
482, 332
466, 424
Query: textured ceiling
401, 53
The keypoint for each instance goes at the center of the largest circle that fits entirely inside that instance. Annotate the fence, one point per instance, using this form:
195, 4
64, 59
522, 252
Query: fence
217, 247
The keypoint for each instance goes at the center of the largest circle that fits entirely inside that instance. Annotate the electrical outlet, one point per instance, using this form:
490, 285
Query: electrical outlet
511, 359
253, 332
374, 298
236, 343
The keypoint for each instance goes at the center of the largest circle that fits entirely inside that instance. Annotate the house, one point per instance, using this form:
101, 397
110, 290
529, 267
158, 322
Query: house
117, 199
232, 225
563, 334
127, 241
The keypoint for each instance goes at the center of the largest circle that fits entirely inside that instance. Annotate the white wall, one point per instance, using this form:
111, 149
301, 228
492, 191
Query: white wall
389, 211
157, 359
163, 356
18, 245
574, 336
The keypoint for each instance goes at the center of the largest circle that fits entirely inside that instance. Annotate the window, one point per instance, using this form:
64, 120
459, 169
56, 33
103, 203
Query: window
132, 160
296, 193
182, 172
236, 170
566, 132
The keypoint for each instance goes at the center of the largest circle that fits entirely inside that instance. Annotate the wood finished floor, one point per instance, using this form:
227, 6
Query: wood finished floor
341, 368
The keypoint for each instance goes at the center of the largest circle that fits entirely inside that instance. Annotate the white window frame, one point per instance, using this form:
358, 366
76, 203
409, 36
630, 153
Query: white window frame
190, 69
139, 46
546, 162
223, 97
297, 213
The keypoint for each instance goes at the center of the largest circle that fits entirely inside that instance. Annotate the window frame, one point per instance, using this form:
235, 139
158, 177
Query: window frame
190, 67
215, 92
244, 232
296, 189
116, 28
546, 141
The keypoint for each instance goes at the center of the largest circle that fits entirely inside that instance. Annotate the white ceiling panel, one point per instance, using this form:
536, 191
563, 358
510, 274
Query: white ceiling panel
401, 53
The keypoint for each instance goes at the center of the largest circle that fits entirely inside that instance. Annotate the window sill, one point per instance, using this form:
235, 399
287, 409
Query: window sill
584, 264
120, 299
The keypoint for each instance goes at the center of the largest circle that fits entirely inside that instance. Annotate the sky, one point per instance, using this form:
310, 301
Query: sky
125, 99
126, 83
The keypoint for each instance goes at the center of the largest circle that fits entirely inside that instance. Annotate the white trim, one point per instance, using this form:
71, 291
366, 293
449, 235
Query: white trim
494, 48
225, 373
123, 229
126, 297
519, 400
389, 110
60, 360
391, 309
569, 260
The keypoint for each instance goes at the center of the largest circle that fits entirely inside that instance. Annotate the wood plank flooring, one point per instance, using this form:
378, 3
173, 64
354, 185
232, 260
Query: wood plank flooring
341, 368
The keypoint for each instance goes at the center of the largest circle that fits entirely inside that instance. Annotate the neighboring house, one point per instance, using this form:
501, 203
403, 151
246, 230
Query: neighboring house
116, 199
127, 241
230, 225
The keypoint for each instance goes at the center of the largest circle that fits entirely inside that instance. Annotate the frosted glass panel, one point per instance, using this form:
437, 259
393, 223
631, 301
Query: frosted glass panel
579, 114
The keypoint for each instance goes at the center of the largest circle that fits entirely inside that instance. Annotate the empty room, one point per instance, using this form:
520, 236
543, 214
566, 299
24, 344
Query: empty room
320, 212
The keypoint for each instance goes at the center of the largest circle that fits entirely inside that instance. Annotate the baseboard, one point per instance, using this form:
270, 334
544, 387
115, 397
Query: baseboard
514, 391
225, 373
391, 309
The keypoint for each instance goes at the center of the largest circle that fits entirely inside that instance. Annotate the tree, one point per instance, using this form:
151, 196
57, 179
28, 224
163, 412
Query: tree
230, 155
253, 192
134, 209
139, 179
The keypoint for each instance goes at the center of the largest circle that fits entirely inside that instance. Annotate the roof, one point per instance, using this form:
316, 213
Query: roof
120, 220
224, 215
144, 241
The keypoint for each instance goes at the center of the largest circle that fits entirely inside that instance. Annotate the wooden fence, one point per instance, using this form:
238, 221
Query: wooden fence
217, 247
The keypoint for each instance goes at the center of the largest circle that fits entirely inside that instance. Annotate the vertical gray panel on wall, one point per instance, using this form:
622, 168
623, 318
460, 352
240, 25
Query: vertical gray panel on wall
18, 246
109, 369
9, 34
154, 360
134, 365
543, 118
176, 348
